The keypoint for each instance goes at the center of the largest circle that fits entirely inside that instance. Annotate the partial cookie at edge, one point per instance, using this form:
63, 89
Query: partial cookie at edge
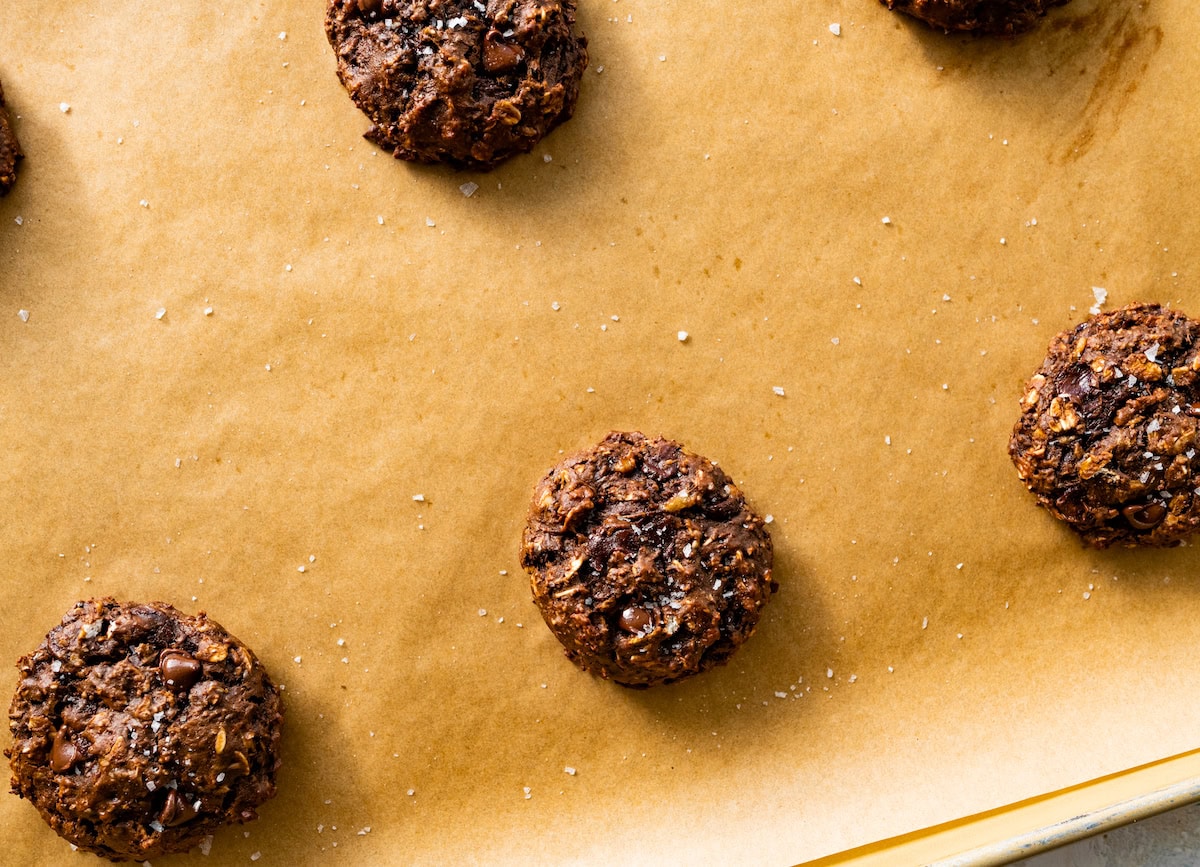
138, 730
445, 81
10, 149
996, 17
1107, 437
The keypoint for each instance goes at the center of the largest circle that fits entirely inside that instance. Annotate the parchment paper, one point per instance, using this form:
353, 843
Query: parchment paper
376, 335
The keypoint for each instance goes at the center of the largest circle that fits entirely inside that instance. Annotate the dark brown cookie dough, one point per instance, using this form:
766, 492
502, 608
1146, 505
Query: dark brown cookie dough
1107, 433
645, 561
10, 150
464, 82
138, 730
1001, 17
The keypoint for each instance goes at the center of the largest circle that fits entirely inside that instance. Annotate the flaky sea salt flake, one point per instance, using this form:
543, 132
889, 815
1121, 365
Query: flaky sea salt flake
835, 29
469, 189
23, 315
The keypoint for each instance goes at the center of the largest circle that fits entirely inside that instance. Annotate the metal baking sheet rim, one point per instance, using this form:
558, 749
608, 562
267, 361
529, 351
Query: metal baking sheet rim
1078, 827
923, 847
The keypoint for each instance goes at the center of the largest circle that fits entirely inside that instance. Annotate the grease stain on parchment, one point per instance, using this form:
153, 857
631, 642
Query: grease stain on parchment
1128, 42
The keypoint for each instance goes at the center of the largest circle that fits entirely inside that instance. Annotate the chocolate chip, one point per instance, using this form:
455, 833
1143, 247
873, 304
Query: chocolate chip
1146, 516
176, 811
499, 56
63, 754
179, 669
1076, 383
635, 619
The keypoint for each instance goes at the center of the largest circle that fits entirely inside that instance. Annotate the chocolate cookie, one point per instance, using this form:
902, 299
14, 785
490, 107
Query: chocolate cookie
1108, 427
464, 82
138, 730
645, 561
10, 150
1002, 17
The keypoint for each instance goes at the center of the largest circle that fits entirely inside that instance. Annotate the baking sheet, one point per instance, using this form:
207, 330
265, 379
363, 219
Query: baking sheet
1038, 824
375, 335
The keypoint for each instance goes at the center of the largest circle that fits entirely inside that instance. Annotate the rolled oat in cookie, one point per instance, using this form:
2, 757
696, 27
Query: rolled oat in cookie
10, 149
139, 730
645, 560
1108, 428
998, 17
464, 82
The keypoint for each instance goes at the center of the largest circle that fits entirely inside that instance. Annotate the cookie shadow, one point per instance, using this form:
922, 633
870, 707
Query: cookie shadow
1140, 570
30, 230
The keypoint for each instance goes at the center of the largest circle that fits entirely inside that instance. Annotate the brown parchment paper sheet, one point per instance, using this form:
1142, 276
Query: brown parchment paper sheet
377, 335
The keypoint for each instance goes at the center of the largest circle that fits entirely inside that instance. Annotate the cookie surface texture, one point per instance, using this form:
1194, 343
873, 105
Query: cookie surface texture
138, 730
1000, 17
1108, 428
464, 82
645, 561
10, 149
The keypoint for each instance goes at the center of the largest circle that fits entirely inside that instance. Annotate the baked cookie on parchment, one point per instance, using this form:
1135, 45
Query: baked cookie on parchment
464, 82
645, 560
139, 730
1107, 437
